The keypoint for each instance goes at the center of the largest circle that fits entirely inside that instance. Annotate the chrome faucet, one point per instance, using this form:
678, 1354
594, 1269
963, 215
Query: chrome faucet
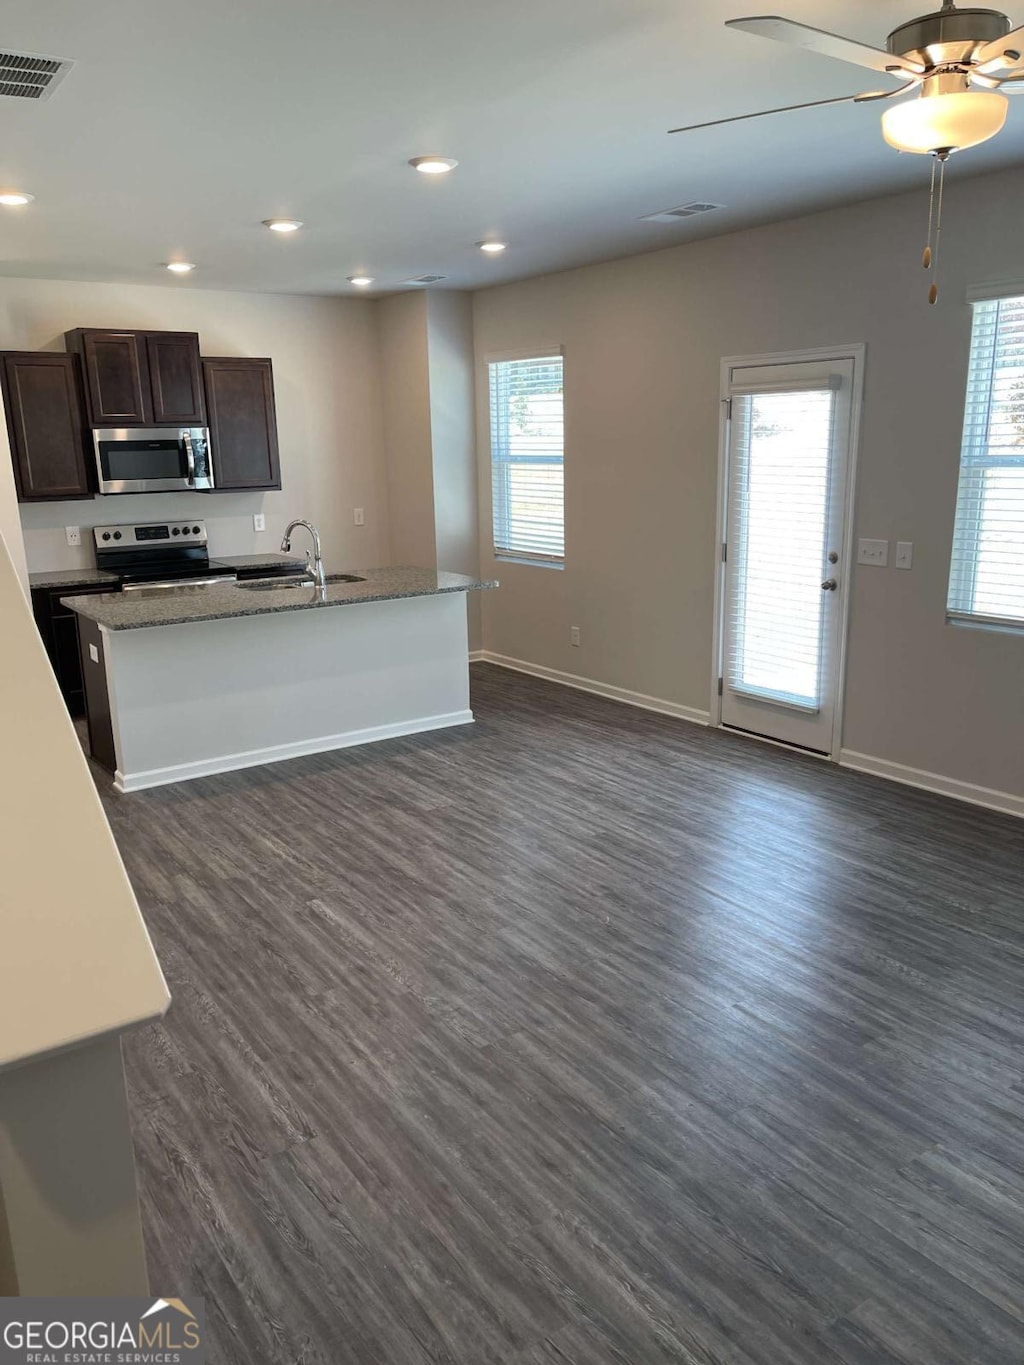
314, 565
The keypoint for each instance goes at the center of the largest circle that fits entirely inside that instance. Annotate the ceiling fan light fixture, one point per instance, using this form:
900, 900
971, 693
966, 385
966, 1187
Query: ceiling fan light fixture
945, 121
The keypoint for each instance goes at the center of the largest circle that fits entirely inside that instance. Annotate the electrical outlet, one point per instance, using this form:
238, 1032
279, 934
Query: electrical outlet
73, 535
259, 521
904, 554
358, 516
874, 552
574, 635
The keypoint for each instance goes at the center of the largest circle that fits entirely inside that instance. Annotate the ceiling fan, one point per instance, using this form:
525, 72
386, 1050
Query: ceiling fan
951, 51
958, 61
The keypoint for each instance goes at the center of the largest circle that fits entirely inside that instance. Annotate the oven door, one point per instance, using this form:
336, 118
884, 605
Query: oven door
153, 459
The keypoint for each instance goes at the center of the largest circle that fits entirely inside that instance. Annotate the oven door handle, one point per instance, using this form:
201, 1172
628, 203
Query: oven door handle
180, 582
186, 440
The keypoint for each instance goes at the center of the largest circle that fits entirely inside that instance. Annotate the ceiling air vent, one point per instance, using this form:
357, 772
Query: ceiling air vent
24, 76
684, 211
426, 279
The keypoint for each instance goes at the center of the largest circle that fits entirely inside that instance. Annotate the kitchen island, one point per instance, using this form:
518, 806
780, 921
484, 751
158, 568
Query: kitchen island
194, 680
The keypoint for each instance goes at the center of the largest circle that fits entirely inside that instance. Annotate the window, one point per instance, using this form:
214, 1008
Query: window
527, 459
986, 581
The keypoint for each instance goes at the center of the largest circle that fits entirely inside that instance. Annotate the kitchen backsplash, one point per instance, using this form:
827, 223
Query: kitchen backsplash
228, 518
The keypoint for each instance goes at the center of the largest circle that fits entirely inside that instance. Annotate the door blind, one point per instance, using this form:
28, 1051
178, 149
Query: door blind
986, 581
781, 445
527, 478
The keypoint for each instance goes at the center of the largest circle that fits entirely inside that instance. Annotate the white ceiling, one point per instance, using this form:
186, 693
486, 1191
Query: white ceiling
183, 125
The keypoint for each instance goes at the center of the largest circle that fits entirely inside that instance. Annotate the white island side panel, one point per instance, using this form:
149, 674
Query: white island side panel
189, 700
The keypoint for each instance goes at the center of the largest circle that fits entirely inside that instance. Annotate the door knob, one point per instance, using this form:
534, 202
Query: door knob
829, 585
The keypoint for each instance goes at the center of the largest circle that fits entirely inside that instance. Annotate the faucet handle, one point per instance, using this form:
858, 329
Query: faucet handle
309, 562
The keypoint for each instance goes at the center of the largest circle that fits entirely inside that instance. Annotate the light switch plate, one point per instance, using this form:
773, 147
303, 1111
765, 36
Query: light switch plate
94, 654
358, 516
259, 521
874, 552
904, 554
73, 535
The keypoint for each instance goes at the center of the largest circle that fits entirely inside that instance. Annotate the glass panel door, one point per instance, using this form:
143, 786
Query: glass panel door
787, 459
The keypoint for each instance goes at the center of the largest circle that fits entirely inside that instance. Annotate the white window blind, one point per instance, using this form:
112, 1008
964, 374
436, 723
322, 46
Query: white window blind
527, 458
781, 446
986, 581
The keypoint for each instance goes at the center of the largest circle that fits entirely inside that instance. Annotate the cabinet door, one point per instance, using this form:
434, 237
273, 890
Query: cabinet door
43, 397
175, 378
243, 423
116, 377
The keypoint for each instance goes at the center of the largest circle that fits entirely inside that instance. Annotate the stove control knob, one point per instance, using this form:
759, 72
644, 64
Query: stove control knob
175, 532
117, 535
106, 535
196, 531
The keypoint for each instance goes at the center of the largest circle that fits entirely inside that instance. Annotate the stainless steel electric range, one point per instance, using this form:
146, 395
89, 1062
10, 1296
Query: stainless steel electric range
158, 554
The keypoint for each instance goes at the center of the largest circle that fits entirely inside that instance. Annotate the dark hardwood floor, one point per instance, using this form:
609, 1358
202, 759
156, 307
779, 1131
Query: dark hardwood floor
582, 1035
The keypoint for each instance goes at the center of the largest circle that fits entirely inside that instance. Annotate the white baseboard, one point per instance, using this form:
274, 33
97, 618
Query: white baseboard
477, 656
277, 753
933, 782
599, 689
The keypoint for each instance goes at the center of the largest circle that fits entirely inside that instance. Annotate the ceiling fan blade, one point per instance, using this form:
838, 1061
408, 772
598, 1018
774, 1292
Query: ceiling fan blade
818, 40
1011, 46
886, 94
1013, 86
763, 113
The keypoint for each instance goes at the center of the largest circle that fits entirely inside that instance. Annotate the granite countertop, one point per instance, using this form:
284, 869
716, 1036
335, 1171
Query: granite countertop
70, 578
220, 601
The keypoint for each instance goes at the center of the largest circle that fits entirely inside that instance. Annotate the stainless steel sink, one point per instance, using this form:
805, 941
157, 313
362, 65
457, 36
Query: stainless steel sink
281, 584
276, 584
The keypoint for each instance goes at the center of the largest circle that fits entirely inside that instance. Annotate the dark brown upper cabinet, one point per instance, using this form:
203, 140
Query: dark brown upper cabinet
176, 380
43, 398
135, 378
116, 376
243, 422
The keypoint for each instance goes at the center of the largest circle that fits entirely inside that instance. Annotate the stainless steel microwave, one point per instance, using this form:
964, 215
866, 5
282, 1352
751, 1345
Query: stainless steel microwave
153, 459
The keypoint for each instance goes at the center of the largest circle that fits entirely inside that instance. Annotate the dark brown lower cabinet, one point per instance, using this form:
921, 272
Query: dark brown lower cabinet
45, 418
243, 422
59, 628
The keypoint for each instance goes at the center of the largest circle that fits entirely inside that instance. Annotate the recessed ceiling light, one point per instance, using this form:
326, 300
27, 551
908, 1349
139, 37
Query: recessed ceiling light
433, 165
282, 224
180, 267
12, 198
361, 281
492, 248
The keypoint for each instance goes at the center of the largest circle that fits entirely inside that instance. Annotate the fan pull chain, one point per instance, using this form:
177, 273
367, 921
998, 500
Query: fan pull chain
933, 292
926, 259
930, 257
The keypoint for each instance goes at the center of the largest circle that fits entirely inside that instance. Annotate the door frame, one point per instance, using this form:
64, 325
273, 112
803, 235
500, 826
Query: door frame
855, 352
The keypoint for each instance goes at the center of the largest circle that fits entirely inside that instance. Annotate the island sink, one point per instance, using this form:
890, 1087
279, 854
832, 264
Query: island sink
279, 583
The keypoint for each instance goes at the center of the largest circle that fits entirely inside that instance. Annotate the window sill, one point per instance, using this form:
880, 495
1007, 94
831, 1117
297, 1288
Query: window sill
989, 623
528, 561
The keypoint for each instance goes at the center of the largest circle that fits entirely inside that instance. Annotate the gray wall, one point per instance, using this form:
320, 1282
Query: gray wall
426, 366
453, 439
405, 394
643, 341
